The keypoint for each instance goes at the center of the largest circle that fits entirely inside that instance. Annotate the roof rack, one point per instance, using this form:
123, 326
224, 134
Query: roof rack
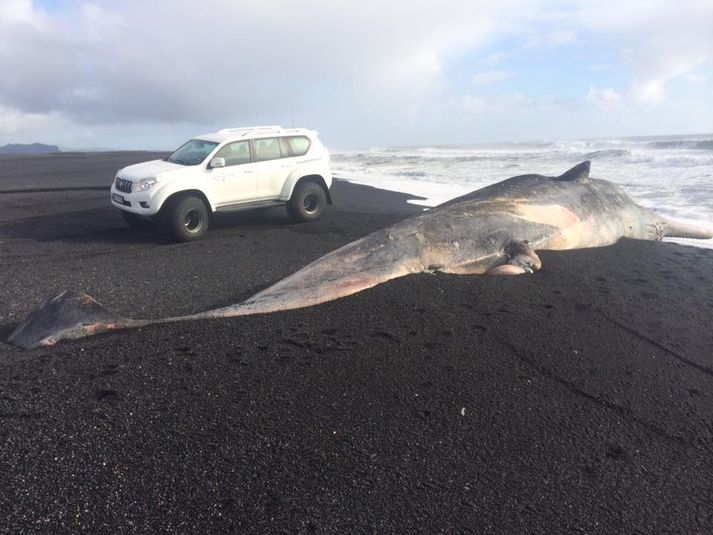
249, 129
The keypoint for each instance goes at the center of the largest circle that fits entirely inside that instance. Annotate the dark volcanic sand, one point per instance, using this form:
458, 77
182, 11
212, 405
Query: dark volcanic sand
577, 399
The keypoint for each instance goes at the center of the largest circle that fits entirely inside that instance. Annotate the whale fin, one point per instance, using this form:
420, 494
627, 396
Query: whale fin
69, 315
578, 173
522, 259
508, 269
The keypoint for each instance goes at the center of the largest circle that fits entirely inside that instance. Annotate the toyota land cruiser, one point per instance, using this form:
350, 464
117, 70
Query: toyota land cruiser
232, 169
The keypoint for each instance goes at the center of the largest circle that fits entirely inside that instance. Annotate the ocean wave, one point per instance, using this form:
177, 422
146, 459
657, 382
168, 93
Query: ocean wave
670, 174
607, 153
685, 144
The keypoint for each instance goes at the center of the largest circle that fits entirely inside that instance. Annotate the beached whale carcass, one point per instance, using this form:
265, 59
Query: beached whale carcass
495, 230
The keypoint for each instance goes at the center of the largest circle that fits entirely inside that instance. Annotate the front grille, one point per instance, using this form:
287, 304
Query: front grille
123, 185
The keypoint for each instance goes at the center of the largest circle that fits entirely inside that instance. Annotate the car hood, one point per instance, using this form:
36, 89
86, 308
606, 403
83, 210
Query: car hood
148, 169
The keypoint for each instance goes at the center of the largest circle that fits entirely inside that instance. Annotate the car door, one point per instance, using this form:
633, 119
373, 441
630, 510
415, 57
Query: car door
272, 166
236, 183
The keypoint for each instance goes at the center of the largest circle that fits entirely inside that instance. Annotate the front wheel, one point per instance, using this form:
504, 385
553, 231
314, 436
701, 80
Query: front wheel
188, 219
308, 202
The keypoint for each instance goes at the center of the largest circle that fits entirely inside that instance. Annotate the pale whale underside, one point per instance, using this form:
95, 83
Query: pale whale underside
495, 230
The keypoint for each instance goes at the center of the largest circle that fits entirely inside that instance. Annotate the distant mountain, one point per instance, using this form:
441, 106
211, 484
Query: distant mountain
24, 148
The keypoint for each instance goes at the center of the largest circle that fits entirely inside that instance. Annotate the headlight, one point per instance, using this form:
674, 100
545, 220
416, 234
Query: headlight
144, 184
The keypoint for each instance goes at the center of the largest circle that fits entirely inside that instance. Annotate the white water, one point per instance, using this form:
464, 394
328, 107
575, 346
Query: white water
671, 174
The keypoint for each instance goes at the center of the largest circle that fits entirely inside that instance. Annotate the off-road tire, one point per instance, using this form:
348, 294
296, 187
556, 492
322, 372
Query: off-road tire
308, 202
187, 219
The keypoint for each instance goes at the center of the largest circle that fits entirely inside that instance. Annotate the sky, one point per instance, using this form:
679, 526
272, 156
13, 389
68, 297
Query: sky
131, 74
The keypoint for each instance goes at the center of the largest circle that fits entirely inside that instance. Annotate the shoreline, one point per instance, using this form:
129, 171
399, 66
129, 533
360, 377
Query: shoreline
575, 398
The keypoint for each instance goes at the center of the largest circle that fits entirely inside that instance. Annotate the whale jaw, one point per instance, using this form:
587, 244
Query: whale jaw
675, 229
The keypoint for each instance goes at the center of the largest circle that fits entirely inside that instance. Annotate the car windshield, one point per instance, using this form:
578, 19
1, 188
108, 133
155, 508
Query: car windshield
193, 152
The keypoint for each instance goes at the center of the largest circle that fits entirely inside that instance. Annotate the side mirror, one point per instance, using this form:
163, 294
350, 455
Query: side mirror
217, 162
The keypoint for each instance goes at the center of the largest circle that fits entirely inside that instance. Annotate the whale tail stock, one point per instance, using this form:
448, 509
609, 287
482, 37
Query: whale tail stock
73, 315
69, 315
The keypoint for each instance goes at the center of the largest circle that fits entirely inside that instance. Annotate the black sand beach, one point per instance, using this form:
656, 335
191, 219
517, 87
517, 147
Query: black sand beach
577, 399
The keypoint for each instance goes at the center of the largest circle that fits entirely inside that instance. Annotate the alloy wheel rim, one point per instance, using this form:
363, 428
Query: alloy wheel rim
310, 203
193, 221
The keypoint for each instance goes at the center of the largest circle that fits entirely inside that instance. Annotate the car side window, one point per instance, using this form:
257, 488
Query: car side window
235, 153
298, 145
267, 149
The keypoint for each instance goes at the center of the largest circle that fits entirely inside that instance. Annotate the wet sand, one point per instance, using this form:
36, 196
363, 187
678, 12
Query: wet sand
576, 399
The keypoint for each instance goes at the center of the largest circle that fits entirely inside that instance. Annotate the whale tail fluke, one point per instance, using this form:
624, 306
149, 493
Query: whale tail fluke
69, 315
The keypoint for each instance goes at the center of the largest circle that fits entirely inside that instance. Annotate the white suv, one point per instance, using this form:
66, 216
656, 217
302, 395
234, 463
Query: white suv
233, 169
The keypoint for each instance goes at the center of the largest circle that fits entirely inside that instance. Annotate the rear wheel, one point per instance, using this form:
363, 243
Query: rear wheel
187, 218
308, 202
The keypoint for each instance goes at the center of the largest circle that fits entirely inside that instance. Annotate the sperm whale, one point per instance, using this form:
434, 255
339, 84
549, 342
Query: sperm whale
495, 230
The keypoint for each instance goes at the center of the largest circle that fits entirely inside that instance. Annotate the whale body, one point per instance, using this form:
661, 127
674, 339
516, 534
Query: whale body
495, 230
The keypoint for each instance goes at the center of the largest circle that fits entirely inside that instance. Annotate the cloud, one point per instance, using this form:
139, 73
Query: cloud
659, 40
502, 104
552, 38
606, 99
97, 64
474, 104
18, 11
650, 91
561, 37
696, 78
490, 77
497, 57
101, 65
15, 123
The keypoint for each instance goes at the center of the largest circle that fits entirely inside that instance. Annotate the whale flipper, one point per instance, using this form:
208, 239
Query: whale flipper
521, 259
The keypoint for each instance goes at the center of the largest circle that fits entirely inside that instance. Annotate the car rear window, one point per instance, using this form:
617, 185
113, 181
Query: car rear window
297, 145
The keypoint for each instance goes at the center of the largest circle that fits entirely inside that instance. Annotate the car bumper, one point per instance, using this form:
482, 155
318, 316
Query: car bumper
138, 203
